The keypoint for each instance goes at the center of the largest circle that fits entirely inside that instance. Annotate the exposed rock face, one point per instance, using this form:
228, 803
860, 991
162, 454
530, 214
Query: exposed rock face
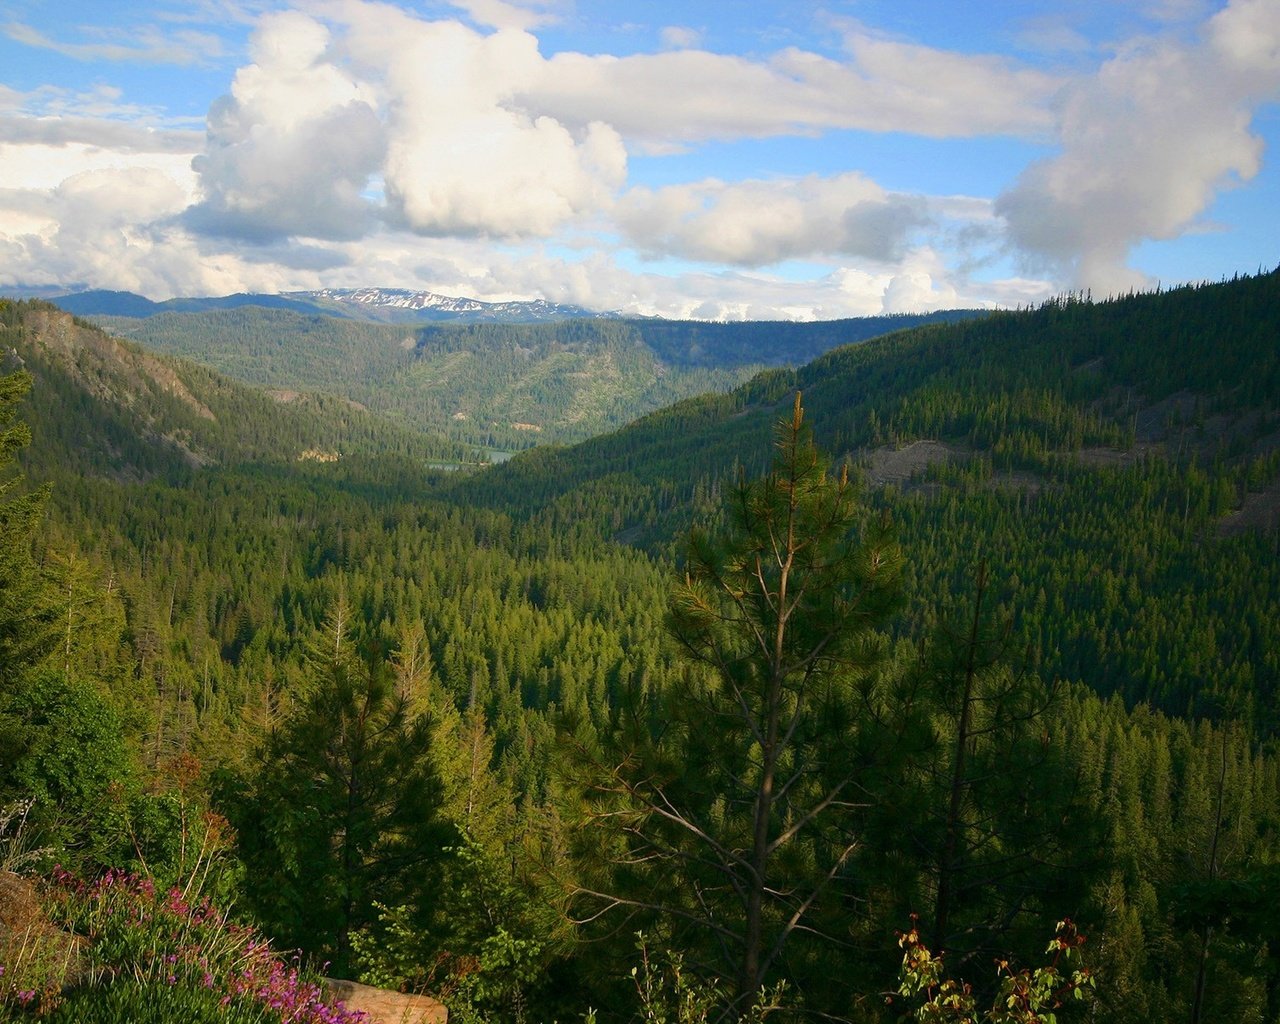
384, 1007
112, 370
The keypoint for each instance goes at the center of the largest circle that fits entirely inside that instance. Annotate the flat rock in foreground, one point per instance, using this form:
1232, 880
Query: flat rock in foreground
384, 1006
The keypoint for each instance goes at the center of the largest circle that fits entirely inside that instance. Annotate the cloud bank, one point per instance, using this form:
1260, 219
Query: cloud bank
758, 223
361, 143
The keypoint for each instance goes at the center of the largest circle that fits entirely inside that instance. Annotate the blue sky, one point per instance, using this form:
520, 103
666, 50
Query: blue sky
708, 158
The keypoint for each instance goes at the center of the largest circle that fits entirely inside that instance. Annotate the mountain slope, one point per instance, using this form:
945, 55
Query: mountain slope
1196, 369
1098, 458
505, 385
103, 406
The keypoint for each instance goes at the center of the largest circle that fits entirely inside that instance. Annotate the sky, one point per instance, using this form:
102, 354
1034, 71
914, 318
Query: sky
717, 159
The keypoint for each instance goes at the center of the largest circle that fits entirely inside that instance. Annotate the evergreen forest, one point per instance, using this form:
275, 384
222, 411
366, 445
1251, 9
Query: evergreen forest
835, 695
498, 386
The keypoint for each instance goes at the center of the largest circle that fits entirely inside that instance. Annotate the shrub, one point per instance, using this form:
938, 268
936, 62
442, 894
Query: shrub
1023, 996
153, 956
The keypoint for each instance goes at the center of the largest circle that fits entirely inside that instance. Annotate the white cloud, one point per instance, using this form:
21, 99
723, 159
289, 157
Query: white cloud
40, 164
461, 159
293, 146
755, 223
117, 199
680, 37
214, 12
523, 17
689, 96
104, 104
943, 93
94, 226
145, 45
420, 107
118, 136
1147, 144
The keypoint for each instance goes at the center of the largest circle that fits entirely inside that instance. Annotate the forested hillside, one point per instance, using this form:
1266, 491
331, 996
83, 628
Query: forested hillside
1116, 464
105, 407
506, 386
471, 733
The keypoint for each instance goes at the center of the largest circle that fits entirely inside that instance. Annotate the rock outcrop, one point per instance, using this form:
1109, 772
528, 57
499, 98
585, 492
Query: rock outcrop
385, 1007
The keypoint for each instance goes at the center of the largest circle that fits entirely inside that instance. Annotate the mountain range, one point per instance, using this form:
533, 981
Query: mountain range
378, 305
505, 385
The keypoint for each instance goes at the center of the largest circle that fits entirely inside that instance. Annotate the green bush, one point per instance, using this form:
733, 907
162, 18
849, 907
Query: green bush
134, 1001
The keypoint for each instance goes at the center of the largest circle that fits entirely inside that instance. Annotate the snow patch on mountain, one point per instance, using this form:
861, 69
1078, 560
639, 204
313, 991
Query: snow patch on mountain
403, 300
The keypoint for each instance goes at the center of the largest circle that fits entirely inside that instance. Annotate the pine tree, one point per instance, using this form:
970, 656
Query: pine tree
739, 817
1004, 828
342, 813
27, 630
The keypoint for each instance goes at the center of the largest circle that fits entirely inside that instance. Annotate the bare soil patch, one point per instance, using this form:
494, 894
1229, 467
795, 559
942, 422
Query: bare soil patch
1261, 511
1118, 456
896, 466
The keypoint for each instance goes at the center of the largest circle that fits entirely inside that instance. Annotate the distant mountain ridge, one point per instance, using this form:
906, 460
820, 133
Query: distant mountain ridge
400, 305
506, 385
379, 305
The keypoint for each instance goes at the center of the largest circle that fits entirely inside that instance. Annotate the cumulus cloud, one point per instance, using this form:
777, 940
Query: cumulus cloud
94, 226
117, 199
420, 108
461, 158
1146, 146
755, 223
292, 148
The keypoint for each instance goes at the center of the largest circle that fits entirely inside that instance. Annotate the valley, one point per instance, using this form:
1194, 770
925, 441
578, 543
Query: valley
1059, 700
505, 384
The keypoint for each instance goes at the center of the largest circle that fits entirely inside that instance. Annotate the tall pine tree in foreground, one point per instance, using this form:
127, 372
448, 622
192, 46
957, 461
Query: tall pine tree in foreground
733, 811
